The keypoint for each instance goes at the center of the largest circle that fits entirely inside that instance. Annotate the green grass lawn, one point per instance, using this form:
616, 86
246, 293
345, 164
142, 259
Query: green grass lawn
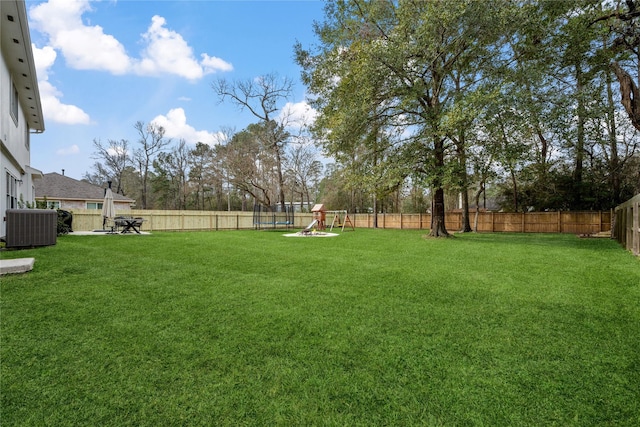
374, 327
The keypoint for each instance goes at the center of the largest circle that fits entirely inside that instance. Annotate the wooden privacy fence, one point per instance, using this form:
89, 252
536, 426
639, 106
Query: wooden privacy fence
534, 222
161, 220
627, 225
531, 222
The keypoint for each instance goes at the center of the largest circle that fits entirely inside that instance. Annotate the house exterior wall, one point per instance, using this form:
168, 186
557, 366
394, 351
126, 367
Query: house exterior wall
16, 181
14, 137
17, 188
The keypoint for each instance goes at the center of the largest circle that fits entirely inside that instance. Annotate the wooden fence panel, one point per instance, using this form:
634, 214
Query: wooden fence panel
485, 221
452, 221
86, 220
542, 222
391, 221
362, 220
507, 222
580, 222
160, 220
412, 221
627, 225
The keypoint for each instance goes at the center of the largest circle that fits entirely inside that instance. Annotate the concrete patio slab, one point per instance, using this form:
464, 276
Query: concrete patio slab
14, 266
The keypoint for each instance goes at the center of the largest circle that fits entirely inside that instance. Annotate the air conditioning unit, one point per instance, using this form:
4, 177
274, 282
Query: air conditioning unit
31, 227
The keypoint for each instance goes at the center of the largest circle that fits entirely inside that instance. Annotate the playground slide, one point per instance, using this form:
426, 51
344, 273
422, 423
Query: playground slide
310, 226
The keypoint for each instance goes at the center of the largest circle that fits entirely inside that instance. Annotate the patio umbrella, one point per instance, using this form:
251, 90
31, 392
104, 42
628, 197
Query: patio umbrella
108, 208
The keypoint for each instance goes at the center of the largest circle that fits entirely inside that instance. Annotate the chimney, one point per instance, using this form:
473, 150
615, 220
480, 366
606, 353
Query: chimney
62, 172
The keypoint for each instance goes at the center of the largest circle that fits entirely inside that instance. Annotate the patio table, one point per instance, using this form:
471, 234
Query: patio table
130, 224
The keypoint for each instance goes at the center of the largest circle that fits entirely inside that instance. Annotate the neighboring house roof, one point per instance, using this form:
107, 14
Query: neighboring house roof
54, 186
16, 48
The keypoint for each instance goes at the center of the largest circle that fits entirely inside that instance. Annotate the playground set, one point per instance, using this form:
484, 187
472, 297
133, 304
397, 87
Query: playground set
319, 223
272, 217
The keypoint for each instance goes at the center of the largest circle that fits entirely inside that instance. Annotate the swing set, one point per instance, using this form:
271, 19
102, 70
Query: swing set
340, 218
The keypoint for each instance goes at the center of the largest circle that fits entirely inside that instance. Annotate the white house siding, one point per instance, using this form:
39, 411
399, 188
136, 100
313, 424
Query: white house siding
16, 174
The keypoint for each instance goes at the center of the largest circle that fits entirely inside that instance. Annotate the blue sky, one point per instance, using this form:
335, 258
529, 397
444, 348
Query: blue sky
104, 65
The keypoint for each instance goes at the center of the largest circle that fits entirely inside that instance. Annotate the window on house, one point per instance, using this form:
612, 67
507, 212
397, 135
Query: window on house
94, 205
53, 204
12, 192
14, 103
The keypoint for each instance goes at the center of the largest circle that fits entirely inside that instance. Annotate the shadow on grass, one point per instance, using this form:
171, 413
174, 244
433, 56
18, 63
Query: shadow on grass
560, 241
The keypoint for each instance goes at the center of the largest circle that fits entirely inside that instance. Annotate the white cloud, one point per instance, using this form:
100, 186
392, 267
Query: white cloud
167, 52
88, 47
212, 64
83, 47
68, 151
44, 59
297, 114
52, 107
175, 126
116, 151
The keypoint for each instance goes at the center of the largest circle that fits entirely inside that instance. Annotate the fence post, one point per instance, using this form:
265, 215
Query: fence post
627, 224
611, 221
600, 225
559, 221
635, 209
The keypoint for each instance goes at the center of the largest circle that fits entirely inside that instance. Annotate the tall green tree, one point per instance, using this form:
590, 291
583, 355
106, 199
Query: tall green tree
170, 178
400, 55
201, 159
151, 142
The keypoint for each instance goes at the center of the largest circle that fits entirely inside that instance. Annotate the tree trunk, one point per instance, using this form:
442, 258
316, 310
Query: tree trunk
375, 212
466, 226
477, 199
464, 193
614, 173
462, 163
280, 177
579, 148
630, 93
438, 228
515, 190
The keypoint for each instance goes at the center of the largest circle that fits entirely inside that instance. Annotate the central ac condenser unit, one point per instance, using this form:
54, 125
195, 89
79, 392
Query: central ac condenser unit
31, 227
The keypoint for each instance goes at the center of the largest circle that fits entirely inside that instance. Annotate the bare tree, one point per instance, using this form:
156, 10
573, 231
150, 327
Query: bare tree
151, 142
113, 160
261, 97
250, 166
171, 172
304, 170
